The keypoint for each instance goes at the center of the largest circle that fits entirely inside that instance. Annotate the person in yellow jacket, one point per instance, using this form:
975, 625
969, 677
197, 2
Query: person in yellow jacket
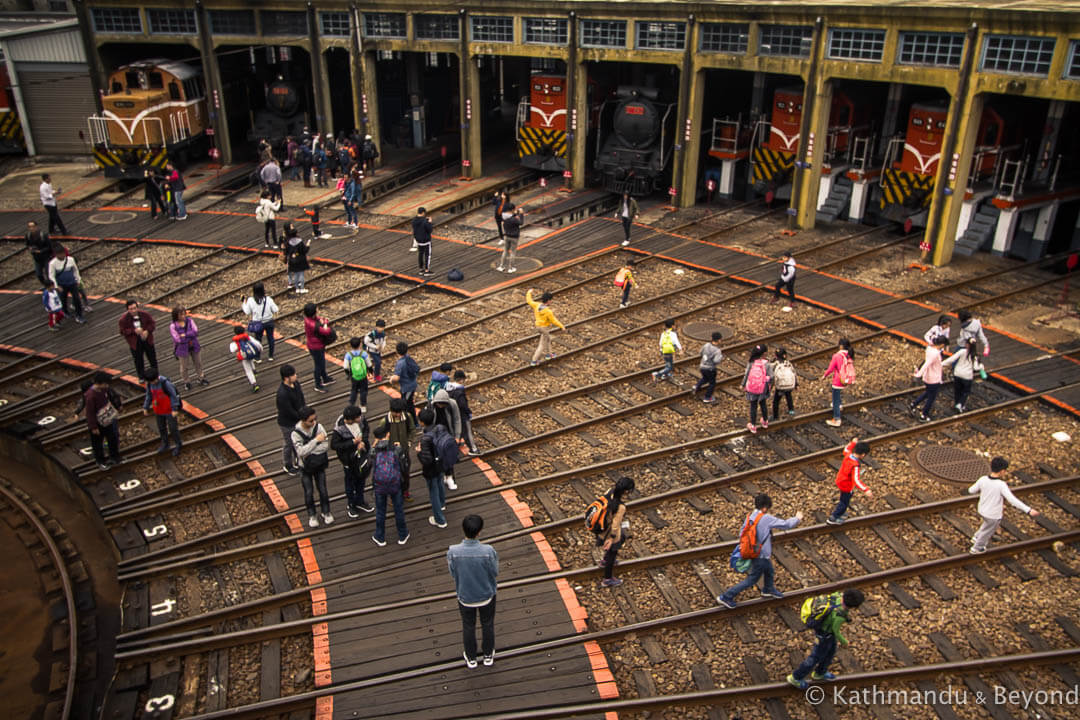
545, 320
669, 345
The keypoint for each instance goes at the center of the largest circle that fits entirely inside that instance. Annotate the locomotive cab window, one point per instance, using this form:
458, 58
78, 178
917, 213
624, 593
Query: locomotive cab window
131, 80
990, 134
117, 87
174, 91
156, 81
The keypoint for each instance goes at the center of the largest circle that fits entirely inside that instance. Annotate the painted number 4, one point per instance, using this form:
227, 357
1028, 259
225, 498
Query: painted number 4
160, 704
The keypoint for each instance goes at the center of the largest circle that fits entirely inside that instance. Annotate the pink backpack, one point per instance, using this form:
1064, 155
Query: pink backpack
758, 377
847, 370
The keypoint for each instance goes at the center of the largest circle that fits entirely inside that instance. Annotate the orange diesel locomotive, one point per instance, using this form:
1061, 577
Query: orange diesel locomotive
541, 124
907, 184
154, 110
774, 157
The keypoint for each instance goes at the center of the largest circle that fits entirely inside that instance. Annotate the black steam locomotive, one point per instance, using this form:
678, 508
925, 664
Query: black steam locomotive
638, 147
283, 115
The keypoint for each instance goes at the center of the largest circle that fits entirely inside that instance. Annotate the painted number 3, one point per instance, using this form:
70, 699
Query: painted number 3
159, 704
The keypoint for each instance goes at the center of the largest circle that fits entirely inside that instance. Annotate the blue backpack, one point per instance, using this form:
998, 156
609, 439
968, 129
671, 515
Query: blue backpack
386, 478
248, 350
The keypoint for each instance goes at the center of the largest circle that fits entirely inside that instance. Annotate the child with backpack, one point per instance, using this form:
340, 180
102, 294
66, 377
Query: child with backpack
350, 441
848, 477
669, 344
388, 475
162, 397
842, 370
757, 381
965, 363
711, 356
824, 615
787, 279
971, 328
930, 373
50, 298
438, 381
313, 213
431, 464
755, 545
247, 350
624, 279
357, 366
294, 254
785, 380
375, 344
605, 518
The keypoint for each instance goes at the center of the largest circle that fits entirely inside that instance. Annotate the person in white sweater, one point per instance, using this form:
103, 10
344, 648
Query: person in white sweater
965, 363
261, 308
309, 441
992, 489
63, 274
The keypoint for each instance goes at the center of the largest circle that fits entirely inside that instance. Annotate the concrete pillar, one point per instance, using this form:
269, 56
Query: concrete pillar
1044, 224
757, 97
324, 119
952, 175
727, 178
215, 101
97, 73
356, 73
687, 185
684, 123
825, 183
891, 116
578, 147
369, 102
812, 145
1005, 229
860, 192
1048, 147
475, 122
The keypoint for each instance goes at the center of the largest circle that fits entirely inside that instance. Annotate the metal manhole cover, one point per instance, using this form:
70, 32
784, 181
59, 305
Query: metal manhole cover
109, 218
704, 330
949, 463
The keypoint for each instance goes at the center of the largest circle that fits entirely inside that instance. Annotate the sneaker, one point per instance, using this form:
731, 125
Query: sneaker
551, 356
187, 386
102, 466
378, 378
977, 551
729, 604
752, 428
290, 470
498, 269
791, 413
923, 417
412, 249
408, 496
403, 540
489, 660
352, 512
320, 388
328, 518
162, 447
365, 507
655, 376
182, 217
611, 582
501, 242
511, 271
801, 684
258, 361
469, 662
533, 363
625, 243
959, 408
826, 676
312, 521
834, 520
270, 359
176, 451
329, 381
204, 382
764, 423
622, 305
302, 291
772, 594
432, 521
709, 401
832, 422
450, 484
377, 541
80, 319
914, 410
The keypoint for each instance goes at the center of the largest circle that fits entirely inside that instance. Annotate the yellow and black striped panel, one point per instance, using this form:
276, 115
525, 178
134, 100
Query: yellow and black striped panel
536, 141
897, 186
11, 132
132, 160
769, 163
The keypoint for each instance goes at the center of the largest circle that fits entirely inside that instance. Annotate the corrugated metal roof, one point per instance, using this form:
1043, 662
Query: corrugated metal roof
16, 26
59, 46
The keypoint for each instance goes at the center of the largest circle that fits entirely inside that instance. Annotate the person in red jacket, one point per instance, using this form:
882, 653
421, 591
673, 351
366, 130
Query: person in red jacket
848, 478
317, 333
137, 327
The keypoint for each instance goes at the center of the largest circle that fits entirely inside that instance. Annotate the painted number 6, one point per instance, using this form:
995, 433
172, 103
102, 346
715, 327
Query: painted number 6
129, 484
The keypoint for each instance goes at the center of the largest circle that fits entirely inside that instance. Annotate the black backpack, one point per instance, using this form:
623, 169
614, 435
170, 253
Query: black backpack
445, 447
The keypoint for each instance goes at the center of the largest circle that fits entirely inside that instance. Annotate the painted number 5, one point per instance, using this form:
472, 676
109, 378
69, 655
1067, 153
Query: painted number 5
155, 531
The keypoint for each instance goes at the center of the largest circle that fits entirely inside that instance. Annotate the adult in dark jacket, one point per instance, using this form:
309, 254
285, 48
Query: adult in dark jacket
350, 440
290, 398
512, 226
431, 467
500, 203
152, 184
456, 390
95, 399
137, 327
369, 152
421, 231
296, 252
41, 250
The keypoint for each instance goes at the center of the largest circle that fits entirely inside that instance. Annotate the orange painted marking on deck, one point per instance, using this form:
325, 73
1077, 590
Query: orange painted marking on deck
548, 554
318, 601
311, 565
271, 490
324, 707
293, 521
605, 682
320, 635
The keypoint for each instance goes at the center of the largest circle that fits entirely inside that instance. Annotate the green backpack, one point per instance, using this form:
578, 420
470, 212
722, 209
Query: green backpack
358, 367
816, 609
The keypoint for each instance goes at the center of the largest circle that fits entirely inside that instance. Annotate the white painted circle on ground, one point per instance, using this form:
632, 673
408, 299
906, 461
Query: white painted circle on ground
111, 217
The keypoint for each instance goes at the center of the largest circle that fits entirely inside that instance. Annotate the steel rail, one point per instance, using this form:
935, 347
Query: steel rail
68, 589
146, 565
700, 552
695, 617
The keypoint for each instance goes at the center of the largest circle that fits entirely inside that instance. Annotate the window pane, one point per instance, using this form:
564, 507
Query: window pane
386, 25
116, 20
603, 33
661, 35
436, 27
785, 40
232, 22
856, 44
1015, 54
547, 31
283, 22
172, 22
1072, 65
334, 23
931, 48
724, 37
492, 29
